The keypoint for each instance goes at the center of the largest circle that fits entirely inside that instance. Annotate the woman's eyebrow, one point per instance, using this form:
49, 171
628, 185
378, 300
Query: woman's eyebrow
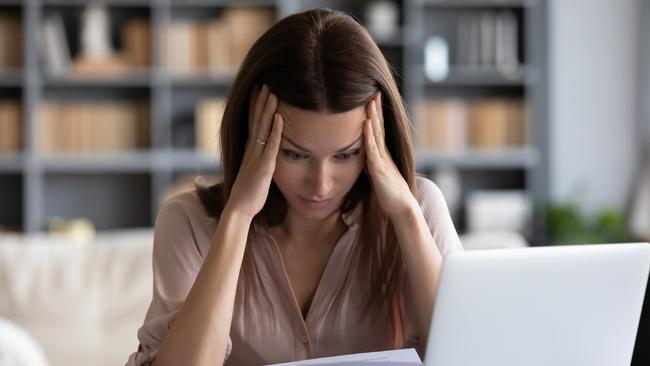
307, 150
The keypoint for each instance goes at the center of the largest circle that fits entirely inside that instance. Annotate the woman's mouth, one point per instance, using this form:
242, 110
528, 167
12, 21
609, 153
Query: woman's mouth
316, 204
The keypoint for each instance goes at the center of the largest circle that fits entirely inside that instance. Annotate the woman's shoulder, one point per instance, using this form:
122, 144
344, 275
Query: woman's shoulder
185, 208
187, 202
183, 227
426, 191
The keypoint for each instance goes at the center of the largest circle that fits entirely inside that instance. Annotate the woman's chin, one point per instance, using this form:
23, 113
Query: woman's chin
315, 210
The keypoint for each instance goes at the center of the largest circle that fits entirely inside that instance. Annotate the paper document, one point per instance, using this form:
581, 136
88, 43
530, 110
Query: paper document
401, 357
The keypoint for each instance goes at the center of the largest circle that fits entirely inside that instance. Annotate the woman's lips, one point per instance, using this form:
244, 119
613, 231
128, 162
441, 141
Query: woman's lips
316, 204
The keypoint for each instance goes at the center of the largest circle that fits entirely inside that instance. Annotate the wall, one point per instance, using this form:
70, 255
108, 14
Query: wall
593, 46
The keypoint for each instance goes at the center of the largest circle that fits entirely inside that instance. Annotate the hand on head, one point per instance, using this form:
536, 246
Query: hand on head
251, 186
387, 181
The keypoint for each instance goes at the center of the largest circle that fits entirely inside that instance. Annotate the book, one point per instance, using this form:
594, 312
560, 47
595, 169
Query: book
402, 357
455, 125
82, 127
56, 51
488, 39
10, 126
11, 42
136, 40
216, 46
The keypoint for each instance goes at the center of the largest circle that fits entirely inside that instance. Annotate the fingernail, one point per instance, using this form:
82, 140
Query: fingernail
372, 104
265, 88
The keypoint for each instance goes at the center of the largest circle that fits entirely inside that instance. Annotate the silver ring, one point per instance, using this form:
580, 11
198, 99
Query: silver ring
260, 141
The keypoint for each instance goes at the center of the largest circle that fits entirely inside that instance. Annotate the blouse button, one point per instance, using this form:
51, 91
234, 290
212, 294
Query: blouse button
304, 339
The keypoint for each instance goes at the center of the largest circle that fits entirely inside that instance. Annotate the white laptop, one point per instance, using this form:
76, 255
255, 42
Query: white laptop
561, 305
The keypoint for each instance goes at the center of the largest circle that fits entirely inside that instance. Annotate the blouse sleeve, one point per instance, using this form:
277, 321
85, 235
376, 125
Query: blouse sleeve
436, 214
177, 260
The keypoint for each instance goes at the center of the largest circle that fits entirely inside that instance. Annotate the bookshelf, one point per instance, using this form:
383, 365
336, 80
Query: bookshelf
121, 188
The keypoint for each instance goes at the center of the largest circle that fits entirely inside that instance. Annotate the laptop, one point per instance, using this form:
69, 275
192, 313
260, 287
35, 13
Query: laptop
560, 305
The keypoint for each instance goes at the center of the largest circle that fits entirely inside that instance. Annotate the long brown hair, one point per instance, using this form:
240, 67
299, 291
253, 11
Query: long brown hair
322, 60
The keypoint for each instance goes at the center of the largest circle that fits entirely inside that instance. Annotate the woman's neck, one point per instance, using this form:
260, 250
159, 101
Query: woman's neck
302, 231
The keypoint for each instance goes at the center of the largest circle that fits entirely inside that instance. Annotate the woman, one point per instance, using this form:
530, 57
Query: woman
319, 240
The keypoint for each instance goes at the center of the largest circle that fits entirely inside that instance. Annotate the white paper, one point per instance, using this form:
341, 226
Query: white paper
401, 357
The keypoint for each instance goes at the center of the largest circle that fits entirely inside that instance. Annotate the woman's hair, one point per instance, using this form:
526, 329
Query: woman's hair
322, 60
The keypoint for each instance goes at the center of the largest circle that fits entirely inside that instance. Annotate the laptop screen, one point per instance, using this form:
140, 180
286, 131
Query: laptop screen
642, 346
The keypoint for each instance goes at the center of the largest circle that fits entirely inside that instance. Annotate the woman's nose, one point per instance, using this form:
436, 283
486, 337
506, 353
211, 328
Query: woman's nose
321, 181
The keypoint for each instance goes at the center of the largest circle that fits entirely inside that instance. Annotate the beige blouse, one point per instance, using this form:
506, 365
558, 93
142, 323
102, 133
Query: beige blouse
268, 326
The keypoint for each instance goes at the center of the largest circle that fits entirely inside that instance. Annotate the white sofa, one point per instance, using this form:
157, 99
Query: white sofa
82, 300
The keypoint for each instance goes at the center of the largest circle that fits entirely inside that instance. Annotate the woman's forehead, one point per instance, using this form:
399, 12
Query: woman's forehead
321, 128
313, 119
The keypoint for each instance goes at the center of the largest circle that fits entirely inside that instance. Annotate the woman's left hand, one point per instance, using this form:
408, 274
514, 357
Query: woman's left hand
392, 191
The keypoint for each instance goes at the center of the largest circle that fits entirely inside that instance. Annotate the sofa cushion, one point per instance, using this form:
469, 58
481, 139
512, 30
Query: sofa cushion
82, 300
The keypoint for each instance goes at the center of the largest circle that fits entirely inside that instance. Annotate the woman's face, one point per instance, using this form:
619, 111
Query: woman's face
320, 158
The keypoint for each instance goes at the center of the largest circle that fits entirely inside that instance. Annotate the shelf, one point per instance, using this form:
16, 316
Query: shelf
193, 160
136, 161
118, 3
479, 76
202, 81
478, 159
11, 162
136, 80
11, 79
96, 162
476, 4
112, 201
219, 3
124, 185
12, 2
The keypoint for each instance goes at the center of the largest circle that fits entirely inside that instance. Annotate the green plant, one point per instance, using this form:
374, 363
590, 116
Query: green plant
567, 225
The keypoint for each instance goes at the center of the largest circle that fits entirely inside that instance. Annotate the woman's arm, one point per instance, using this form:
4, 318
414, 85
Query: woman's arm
199, 334
421, 255
423, 262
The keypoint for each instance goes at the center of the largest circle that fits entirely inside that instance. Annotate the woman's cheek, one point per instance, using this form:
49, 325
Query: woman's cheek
285, 172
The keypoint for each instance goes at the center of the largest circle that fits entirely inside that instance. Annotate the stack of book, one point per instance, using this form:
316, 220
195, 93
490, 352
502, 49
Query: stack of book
134, 55
488, 39
208, 114
93, 126
456, 125
497, 123
136, 41
10, 126
11, 42
216, 46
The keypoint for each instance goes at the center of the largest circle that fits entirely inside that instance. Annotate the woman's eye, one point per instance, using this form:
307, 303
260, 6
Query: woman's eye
293, 155
348, 155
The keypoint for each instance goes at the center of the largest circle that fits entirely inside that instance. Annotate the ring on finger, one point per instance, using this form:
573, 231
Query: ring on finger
260, 141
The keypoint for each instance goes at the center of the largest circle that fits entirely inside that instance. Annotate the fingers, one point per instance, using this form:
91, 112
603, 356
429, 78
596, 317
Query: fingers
372, 151
259, 100
377, 123
380, 112
273, 143
265, 121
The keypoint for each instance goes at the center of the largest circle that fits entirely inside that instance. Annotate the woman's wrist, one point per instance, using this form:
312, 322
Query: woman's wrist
237, 214
406, 212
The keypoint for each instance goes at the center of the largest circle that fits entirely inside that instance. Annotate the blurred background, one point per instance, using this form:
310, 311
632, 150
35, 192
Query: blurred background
532, 116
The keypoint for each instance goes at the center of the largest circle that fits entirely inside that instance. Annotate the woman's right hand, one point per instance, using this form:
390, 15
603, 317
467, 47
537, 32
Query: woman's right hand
251, 187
